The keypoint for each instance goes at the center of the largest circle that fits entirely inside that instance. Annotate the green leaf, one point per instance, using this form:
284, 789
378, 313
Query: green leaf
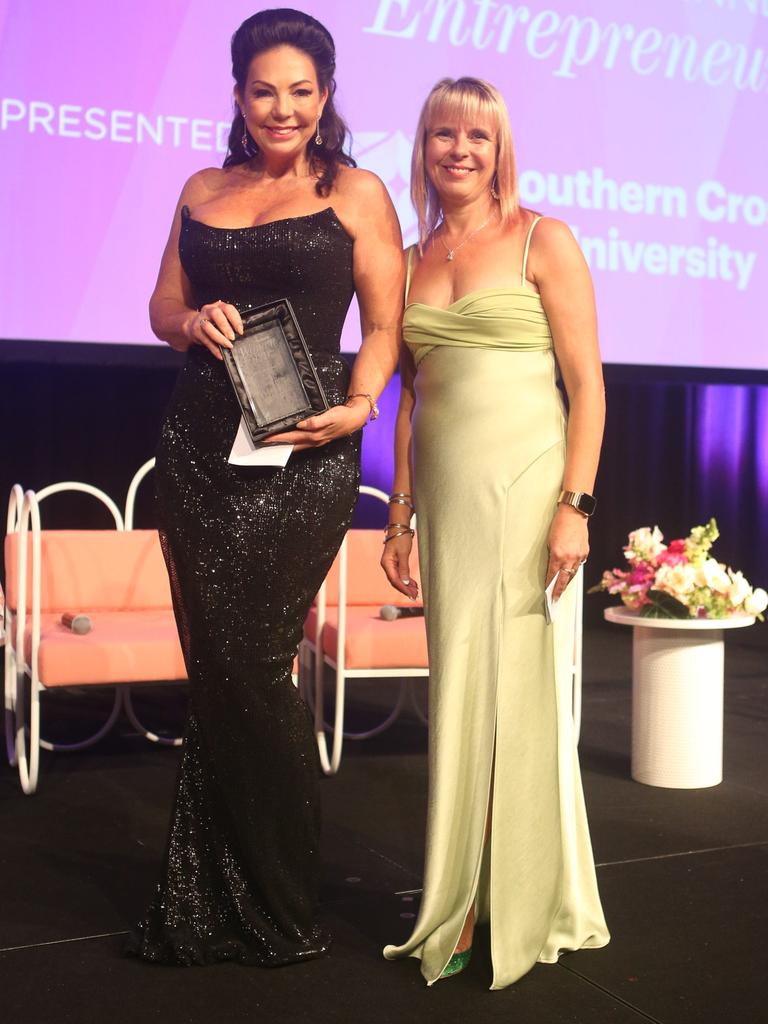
663, 606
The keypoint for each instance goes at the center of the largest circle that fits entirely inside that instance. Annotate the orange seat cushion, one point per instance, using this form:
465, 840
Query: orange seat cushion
132, 647
92, 570
366, 582
122, 647
371, 642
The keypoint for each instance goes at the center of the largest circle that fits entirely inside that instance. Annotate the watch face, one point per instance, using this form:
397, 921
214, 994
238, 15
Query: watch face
587, 504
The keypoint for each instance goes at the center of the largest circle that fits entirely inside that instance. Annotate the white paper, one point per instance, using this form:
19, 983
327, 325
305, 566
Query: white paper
244, 453
550, 606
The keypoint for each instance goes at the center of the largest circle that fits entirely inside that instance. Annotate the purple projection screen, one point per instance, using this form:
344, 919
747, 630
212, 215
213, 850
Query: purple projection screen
642, 126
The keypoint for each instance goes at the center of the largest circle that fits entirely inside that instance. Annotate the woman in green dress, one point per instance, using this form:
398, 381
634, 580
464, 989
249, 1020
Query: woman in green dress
499, 304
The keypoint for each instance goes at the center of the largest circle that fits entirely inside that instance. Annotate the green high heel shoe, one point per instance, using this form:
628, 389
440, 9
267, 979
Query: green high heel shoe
457, 963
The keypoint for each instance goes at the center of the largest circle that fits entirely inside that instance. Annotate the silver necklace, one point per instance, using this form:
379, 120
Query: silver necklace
452, 252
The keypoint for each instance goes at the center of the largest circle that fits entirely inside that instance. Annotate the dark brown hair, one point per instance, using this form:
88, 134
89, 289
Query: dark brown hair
285, 27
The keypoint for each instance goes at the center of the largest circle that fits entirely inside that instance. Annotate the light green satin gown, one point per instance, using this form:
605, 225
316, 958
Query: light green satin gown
488, 450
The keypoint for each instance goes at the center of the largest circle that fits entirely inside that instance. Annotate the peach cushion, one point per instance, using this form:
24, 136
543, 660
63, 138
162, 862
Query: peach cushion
366, 582
371, 642
137, 646
122, 647
94, 570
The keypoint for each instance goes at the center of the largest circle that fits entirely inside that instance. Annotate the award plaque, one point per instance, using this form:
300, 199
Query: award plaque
271, 370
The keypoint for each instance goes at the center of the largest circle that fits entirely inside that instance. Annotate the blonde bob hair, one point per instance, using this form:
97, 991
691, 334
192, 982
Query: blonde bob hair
467, 101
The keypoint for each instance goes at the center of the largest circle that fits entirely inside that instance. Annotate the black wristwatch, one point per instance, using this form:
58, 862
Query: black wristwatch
580, 500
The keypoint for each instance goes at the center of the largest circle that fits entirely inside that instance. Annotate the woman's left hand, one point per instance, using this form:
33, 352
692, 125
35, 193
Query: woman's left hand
568, 547
338, 421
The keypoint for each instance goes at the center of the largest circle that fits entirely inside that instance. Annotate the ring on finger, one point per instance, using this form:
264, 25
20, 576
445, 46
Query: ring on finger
570, 572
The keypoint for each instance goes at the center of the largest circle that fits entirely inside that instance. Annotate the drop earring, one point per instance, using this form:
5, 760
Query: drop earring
318, 136
246, 142
495, 188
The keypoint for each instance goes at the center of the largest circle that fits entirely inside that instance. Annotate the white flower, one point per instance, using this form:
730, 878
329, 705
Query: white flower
738, 590
756, 602
712, 574
645, 543
677, 580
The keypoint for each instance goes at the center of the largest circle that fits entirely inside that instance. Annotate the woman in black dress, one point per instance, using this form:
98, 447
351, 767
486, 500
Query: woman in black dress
288, 215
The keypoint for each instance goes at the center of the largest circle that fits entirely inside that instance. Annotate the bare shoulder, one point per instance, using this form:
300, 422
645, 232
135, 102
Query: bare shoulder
364, 204
204, 184
360, 186
553, 234
554, 249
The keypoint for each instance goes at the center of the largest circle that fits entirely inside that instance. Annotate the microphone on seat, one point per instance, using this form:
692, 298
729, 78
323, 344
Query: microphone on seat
78, 623
390, 612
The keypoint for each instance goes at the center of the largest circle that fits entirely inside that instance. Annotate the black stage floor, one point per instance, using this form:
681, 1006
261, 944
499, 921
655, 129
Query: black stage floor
683, 876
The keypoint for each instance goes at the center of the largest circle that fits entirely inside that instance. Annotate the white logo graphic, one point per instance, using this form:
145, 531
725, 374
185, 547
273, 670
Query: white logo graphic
388, 154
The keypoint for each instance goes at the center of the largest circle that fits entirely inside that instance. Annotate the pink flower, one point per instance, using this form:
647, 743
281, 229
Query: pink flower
641, 577
674, 555
614, 582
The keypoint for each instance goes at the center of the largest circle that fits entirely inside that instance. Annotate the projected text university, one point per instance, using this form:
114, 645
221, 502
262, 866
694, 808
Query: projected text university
716, 260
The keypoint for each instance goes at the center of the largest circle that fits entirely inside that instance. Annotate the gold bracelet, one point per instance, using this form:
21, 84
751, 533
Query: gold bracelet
403, 533
364, 394
400, 526
402, 501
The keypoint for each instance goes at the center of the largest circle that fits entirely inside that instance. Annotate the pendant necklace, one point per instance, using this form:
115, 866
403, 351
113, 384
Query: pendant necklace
452, 252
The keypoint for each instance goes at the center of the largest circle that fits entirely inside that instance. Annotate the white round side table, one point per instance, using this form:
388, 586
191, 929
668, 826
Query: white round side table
677, 698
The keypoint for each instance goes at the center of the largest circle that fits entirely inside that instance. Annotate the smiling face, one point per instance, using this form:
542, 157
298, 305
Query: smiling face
464, 140
460, 157
281, 101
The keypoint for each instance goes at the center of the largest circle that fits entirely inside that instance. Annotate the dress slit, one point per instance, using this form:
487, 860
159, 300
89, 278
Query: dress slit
475, 890
486, 836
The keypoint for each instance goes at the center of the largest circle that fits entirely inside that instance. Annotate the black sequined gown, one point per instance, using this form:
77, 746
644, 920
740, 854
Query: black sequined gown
247, 549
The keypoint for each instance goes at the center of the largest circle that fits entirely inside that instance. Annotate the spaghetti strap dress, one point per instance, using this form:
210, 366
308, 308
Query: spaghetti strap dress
489, 435
246, 550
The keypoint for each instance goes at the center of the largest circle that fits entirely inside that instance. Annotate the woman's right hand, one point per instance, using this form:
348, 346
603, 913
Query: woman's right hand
394, 562
214, 326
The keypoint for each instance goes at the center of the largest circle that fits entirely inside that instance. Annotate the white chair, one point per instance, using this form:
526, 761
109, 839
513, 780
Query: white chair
345, 632
23, 647
117, 575
130, 711
9, 654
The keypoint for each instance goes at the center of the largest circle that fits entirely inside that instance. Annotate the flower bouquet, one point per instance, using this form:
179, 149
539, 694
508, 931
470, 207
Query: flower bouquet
681, 580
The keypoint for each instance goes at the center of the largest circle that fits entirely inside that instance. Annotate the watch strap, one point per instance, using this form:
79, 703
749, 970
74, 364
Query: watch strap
580, 500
